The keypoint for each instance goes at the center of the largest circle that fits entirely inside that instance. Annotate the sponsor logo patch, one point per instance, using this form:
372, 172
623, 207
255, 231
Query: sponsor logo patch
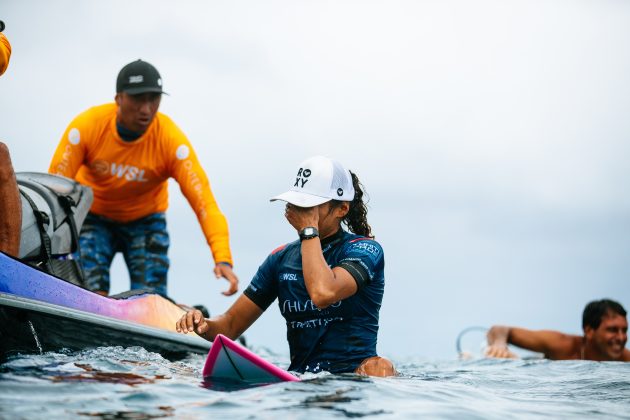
128, 172
288, 277
136, 79
367, 247
74, 136
100, 168
302, 177
182, 152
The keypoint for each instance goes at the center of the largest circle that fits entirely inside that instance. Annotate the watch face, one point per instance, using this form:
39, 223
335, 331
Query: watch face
309, 233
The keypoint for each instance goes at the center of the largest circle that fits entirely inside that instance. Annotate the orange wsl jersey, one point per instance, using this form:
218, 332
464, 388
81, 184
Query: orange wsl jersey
129, 179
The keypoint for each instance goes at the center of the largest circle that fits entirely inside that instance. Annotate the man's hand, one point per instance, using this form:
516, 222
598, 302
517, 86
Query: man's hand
497, 337
192, 321
500, 352
301, 217
225, 271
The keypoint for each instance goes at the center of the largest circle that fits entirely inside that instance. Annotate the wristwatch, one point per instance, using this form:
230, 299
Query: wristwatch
309, 233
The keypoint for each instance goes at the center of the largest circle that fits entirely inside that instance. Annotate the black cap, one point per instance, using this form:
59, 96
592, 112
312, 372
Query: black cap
139, 77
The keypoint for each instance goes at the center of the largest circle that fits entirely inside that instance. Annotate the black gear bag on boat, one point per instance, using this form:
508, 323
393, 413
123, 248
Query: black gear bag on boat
53, 210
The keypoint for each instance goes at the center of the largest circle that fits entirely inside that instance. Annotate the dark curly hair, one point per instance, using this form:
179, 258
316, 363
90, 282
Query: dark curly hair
597, 309
356, 218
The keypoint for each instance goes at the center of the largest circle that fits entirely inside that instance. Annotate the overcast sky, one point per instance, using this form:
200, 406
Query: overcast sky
492, 137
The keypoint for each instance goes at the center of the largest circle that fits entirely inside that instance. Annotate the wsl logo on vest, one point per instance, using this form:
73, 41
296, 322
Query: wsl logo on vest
288, 277
101, 168
129, 172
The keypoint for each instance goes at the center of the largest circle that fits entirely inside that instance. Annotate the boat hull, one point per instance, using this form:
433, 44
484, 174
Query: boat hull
30, 326
40, 312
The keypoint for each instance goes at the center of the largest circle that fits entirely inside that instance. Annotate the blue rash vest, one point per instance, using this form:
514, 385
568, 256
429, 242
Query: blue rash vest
338, 338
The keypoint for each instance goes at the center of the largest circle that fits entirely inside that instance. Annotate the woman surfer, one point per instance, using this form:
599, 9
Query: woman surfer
329, 283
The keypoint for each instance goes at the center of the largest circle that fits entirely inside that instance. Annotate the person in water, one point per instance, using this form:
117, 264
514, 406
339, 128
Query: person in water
605, 334
329, 283
126, 151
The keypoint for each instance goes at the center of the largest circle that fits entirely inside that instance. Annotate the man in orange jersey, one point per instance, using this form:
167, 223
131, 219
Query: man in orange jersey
605, 335
126, 151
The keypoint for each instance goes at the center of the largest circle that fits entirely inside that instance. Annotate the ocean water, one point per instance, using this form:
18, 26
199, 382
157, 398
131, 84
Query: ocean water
131, 383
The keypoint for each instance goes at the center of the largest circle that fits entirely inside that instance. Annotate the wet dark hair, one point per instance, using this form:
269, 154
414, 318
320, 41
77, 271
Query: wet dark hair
597, 309
356, 218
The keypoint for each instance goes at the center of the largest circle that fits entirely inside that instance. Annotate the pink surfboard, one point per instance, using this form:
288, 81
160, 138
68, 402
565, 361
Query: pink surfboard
228, 360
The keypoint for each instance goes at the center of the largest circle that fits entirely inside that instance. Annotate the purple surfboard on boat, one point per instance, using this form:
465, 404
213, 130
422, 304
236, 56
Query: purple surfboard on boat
228, 360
